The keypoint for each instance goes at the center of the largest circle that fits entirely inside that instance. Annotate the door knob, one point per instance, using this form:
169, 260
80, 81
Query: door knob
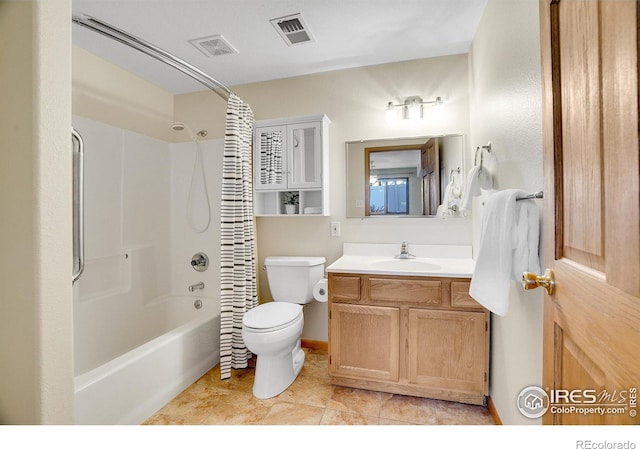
532, 280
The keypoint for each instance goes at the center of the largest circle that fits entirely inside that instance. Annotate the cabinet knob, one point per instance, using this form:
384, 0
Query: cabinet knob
532, 280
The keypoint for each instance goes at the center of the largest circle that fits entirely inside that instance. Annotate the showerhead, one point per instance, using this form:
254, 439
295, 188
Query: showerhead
178, 126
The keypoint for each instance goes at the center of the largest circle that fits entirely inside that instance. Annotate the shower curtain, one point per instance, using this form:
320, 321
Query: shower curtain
237, 255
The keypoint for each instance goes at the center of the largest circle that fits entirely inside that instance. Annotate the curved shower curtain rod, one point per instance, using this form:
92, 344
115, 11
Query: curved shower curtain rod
132, 41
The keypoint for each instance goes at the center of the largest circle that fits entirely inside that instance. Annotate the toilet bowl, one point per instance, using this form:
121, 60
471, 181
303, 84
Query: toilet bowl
272, 330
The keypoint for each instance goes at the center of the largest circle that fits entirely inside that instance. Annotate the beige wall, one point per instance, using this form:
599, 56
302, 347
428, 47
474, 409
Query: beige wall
354, 100
103, 91
506, 110
36, 361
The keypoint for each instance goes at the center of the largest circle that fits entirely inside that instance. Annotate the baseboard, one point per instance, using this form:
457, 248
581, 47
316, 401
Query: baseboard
315, 344
493, 411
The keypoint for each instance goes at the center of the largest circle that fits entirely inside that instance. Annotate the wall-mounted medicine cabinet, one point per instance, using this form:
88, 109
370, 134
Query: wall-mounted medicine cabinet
291, 166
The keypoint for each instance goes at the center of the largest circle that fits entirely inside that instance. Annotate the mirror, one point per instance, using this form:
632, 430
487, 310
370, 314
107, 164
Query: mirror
405, 177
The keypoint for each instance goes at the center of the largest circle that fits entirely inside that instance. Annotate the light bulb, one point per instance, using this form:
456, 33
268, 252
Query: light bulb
414, 110
391, 112
439, 107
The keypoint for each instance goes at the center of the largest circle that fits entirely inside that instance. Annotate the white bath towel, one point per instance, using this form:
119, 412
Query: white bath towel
508, 246
477, 178
526, 254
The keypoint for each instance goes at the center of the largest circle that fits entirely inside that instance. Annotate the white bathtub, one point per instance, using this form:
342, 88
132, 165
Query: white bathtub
132, 386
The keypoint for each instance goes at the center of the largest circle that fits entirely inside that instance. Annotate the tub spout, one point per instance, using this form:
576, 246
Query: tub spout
198, 286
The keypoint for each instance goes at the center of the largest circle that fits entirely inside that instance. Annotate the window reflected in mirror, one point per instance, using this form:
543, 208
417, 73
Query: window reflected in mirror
389, 196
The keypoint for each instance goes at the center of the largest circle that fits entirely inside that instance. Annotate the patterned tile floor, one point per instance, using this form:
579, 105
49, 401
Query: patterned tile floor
311, 399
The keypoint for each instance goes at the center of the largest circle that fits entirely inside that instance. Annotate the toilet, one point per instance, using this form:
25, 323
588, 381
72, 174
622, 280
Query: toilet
272, 330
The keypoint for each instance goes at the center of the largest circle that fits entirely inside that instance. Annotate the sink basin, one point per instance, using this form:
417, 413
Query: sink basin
430, 260
405, 265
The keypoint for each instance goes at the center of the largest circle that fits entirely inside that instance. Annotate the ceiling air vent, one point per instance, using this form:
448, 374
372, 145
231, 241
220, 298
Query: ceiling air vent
213, 45
292, 29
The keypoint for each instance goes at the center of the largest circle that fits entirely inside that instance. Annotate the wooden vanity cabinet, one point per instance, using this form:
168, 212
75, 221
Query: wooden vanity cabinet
419, 336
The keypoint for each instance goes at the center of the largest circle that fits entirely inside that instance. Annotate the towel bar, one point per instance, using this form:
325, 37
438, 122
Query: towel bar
531, 196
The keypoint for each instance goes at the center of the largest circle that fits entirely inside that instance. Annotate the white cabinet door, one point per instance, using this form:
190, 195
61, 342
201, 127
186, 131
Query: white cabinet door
270, 158
304, 156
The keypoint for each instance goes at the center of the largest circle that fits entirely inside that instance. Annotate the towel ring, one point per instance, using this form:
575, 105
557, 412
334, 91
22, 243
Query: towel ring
480, 148
453, 170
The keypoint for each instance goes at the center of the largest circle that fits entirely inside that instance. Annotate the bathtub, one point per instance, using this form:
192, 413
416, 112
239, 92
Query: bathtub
182, 343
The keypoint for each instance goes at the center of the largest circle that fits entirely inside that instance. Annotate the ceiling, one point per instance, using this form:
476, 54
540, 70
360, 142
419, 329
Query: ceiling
347, 34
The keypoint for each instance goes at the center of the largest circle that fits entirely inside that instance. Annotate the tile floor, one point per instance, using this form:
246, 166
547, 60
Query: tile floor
311, 399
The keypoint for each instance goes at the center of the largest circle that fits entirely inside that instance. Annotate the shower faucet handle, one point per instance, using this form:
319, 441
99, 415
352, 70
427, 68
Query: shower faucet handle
200, 261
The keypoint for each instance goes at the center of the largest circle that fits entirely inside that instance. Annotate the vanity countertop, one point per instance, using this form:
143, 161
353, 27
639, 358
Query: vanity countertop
429, 260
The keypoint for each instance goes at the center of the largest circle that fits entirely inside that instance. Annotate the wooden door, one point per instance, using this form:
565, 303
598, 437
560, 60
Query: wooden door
591, 209
430, 157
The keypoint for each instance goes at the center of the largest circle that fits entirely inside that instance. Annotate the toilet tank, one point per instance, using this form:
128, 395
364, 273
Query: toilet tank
291, 279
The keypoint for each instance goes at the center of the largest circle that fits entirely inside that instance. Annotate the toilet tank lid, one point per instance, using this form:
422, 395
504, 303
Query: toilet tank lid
293, 261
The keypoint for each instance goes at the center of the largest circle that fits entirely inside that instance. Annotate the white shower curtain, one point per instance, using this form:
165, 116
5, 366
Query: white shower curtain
238, 291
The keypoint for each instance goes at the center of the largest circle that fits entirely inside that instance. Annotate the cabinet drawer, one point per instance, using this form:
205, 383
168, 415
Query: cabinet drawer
404, 290
344, 288
460, 296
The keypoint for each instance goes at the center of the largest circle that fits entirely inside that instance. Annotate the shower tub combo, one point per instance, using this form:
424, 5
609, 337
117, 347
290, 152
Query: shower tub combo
134, 349
127, 371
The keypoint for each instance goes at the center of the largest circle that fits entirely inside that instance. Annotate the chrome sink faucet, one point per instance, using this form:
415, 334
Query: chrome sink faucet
198, 286
404, 252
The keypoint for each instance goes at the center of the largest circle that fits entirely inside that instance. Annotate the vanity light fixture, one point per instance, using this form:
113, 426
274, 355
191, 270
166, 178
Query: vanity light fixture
412, 108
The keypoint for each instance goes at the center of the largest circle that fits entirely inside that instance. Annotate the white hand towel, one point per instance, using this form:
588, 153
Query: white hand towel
477, 178
443, 209
470, 187
448, 193
510, 231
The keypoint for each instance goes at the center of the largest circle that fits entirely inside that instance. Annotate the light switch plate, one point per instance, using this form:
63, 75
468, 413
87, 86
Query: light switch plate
335, 229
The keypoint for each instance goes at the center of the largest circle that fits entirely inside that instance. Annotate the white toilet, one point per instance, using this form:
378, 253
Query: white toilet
272, 331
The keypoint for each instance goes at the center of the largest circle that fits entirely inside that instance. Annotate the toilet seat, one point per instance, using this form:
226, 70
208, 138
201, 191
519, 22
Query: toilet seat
272, 316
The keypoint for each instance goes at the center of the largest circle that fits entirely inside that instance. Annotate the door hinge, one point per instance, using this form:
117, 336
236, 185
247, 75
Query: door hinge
485, 376
486, 326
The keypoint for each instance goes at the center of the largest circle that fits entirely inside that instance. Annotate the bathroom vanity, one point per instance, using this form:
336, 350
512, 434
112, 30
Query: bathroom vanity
408, 326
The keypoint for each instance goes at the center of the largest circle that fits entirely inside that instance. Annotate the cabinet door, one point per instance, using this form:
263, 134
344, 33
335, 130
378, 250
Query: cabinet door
270, 158
447, 350
305, 156
364, 341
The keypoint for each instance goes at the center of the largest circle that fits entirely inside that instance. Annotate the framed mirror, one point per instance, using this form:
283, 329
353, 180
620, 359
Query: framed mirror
404, 177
